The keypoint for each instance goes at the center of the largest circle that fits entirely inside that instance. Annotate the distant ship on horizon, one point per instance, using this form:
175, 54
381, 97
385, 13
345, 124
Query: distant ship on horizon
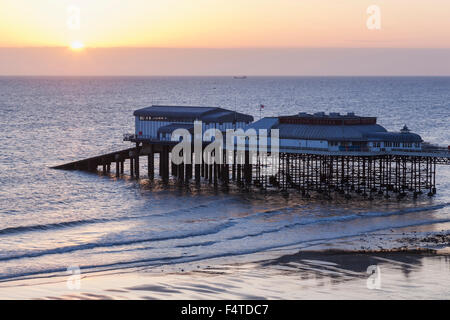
240, 77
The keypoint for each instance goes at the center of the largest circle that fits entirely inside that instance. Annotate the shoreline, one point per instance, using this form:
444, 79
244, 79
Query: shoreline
287, 273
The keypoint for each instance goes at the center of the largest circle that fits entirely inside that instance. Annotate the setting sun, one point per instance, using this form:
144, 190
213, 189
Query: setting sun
76, 45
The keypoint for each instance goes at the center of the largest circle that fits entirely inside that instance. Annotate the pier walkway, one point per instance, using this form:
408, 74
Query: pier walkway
345, 172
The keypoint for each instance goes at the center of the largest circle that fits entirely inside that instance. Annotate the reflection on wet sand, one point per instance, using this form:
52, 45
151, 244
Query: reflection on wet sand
330, 274
347, 265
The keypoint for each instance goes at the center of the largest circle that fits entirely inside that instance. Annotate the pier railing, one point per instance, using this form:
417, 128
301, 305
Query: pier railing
129, 137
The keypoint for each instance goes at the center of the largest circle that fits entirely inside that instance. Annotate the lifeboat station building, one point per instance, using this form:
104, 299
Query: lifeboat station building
158, 122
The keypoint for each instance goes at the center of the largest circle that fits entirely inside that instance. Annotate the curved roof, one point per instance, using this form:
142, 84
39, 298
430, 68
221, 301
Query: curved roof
173, 126
190, 113
369, 132
394, 137
327, 132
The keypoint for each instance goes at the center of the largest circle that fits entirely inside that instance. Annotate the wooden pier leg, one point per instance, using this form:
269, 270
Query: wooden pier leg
161, 164
216, 169
197, 173
419, 165
364, 177
239, 167
205, 167
247, 173
387, 176
397, 176
434, 176
338, 183
226, 173
174, 168
233, 167
210, 172
238, 173
117, 157
250, 172
136, 164
219, 171
216, 172
188, 167
181, 172
122, 166
165, 163
131, 164
151, 164
104, 166
202, 169
369, 176
191, 166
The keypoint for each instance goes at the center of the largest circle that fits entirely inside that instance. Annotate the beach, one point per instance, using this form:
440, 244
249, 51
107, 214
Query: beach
407, 272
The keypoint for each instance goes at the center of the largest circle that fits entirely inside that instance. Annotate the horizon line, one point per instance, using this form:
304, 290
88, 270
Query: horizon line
222, 48
225, 76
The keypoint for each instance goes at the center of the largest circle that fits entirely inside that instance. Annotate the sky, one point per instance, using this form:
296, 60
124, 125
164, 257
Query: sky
66, 36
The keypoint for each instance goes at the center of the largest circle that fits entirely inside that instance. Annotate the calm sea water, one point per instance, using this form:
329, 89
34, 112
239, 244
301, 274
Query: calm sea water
52, 219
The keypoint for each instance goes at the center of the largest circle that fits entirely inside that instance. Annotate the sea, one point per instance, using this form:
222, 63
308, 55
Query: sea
52, 219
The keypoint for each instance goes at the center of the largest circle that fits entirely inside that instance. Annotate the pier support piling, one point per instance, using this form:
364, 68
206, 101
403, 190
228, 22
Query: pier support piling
117, 158
151, 164
131, 163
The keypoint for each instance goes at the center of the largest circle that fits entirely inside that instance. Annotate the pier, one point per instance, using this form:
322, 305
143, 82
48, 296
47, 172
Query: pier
386, 165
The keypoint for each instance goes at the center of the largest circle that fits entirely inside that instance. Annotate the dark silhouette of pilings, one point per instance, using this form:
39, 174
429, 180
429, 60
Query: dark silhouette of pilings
151, 164
350, 176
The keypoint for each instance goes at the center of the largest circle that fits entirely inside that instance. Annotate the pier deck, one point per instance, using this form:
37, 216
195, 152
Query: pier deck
345, 172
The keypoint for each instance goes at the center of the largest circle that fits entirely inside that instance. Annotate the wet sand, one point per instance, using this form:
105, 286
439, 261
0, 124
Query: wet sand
405, 272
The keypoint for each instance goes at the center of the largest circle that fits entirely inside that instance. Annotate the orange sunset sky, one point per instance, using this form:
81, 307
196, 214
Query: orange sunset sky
229, 25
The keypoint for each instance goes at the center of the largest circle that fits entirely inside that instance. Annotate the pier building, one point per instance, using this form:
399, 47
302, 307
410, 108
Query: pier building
329, 154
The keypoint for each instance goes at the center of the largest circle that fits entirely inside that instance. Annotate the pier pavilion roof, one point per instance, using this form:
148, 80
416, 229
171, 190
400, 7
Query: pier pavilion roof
333, 127
174, 126
192, 113
326, 132
394, 136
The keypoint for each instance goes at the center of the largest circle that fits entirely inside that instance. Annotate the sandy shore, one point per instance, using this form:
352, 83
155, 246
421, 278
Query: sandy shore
409, 271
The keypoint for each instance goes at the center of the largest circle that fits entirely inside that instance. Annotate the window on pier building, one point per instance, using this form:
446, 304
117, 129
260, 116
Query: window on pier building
150, 118
407, 145
396, 144
388, 144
